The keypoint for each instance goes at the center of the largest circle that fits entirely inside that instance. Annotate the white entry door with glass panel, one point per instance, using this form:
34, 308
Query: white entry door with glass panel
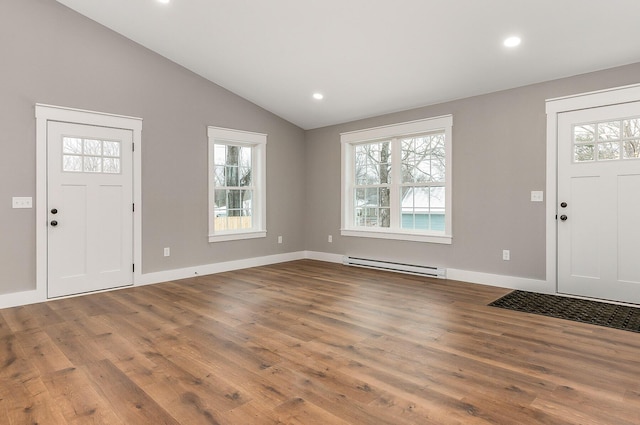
599, 202
89, 207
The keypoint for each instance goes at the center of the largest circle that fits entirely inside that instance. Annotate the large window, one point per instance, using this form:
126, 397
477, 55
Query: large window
236, 184
396, 181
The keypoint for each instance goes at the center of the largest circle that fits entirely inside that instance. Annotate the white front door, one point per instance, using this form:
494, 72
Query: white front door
599, 202
89, 207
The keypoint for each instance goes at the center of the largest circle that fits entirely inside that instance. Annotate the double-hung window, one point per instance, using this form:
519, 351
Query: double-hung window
237, 207
396, 181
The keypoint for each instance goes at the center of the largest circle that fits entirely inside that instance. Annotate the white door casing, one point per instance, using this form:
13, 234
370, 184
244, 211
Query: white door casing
90, 198
65, 252
598, 205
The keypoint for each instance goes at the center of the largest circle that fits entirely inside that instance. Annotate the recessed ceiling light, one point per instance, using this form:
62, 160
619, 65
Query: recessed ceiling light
512, 41
318, 96
164, 1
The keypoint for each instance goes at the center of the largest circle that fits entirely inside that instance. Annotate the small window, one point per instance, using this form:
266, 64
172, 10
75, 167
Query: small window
607, 140
90, 156
396, 181
237, 184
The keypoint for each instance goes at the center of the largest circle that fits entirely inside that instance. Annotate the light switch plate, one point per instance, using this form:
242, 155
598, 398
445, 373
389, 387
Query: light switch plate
22, 202
537, 196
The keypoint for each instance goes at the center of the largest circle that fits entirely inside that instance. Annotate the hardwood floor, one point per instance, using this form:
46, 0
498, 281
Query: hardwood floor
309, 343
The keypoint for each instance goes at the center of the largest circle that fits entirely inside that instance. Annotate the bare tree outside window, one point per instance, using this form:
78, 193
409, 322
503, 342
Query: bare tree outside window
422, 179
631, 132
233, 192
373, 176
607, 140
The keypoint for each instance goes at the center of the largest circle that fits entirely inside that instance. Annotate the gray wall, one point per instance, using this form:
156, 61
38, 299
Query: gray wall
50, 54
499, 157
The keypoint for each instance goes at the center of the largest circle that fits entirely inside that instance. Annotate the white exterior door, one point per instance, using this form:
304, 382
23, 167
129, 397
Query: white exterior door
89, 208
599, 202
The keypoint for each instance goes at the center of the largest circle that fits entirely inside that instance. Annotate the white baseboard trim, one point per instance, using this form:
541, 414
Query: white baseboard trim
488, 279
502, 281
206, 269
511, 282
32, 297
324, 256
21, 298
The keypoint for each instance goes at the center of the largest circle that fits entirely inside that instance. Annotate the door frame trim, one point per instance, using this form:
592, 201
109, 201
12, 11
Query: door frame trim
45, 113
555, 106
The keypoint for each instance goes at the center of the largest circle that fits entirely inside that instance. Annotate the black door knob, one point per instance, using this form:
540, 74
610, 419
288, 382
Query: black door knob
54, 223
54, 211
563, 205
563, 217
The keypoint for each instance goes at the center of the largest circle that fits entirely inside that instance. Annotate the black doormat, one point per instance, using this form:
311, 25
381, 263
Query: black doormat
585, 311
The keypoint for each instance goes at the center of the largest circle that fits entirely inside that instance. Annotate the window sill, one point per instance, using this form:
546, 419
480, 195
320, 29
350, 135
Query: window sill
413, 237
224, 237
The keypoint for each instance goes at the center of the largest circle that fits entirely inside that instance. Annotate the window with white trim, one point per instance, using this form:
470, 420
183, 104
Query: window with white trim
237, 191
396, 181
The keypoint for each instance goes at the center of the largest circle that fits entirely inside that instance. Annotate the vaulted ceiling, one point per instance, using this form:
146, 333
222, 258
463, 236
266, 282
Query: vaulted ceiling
373, 57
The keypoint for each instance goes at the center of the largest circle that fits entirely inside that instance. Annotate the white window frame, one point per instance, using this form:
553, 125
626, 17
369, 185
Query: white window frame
350, 139
258, 143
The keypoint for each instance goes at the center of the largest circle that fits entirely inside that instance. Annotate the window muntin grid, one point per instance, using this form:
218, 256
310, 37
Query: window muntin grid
608, 140
233, 187
423, 182
93, 156
410, 168
372, 165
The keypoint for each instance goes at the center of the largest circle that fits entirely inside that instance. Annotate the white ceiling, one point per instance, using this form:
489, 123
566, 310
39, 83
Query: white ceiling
370, 57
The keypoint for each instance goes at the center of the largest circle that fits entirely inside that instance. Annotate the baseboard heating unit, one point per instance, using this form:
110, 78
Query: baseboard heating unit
430, 271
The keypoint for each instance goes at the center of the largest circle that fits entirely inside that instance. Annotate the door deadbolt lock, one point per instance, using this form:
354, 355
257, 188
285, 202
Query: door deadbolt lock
54, 211
563, 205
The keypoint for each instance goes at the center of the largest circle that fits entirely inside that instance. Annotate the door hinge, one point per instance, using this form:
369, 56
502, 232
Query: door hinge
133, 268
133, 147
133, 207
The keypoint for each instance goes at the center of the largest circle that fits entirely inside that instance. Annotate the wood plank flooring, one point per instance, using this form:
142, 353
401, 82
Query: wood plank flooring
308, 342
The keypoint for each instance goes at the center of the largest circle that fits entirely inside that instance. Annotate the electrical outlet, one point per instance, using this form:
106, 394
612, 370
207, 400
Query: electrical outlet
506, 255
330, 239
279, 239
167, 252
